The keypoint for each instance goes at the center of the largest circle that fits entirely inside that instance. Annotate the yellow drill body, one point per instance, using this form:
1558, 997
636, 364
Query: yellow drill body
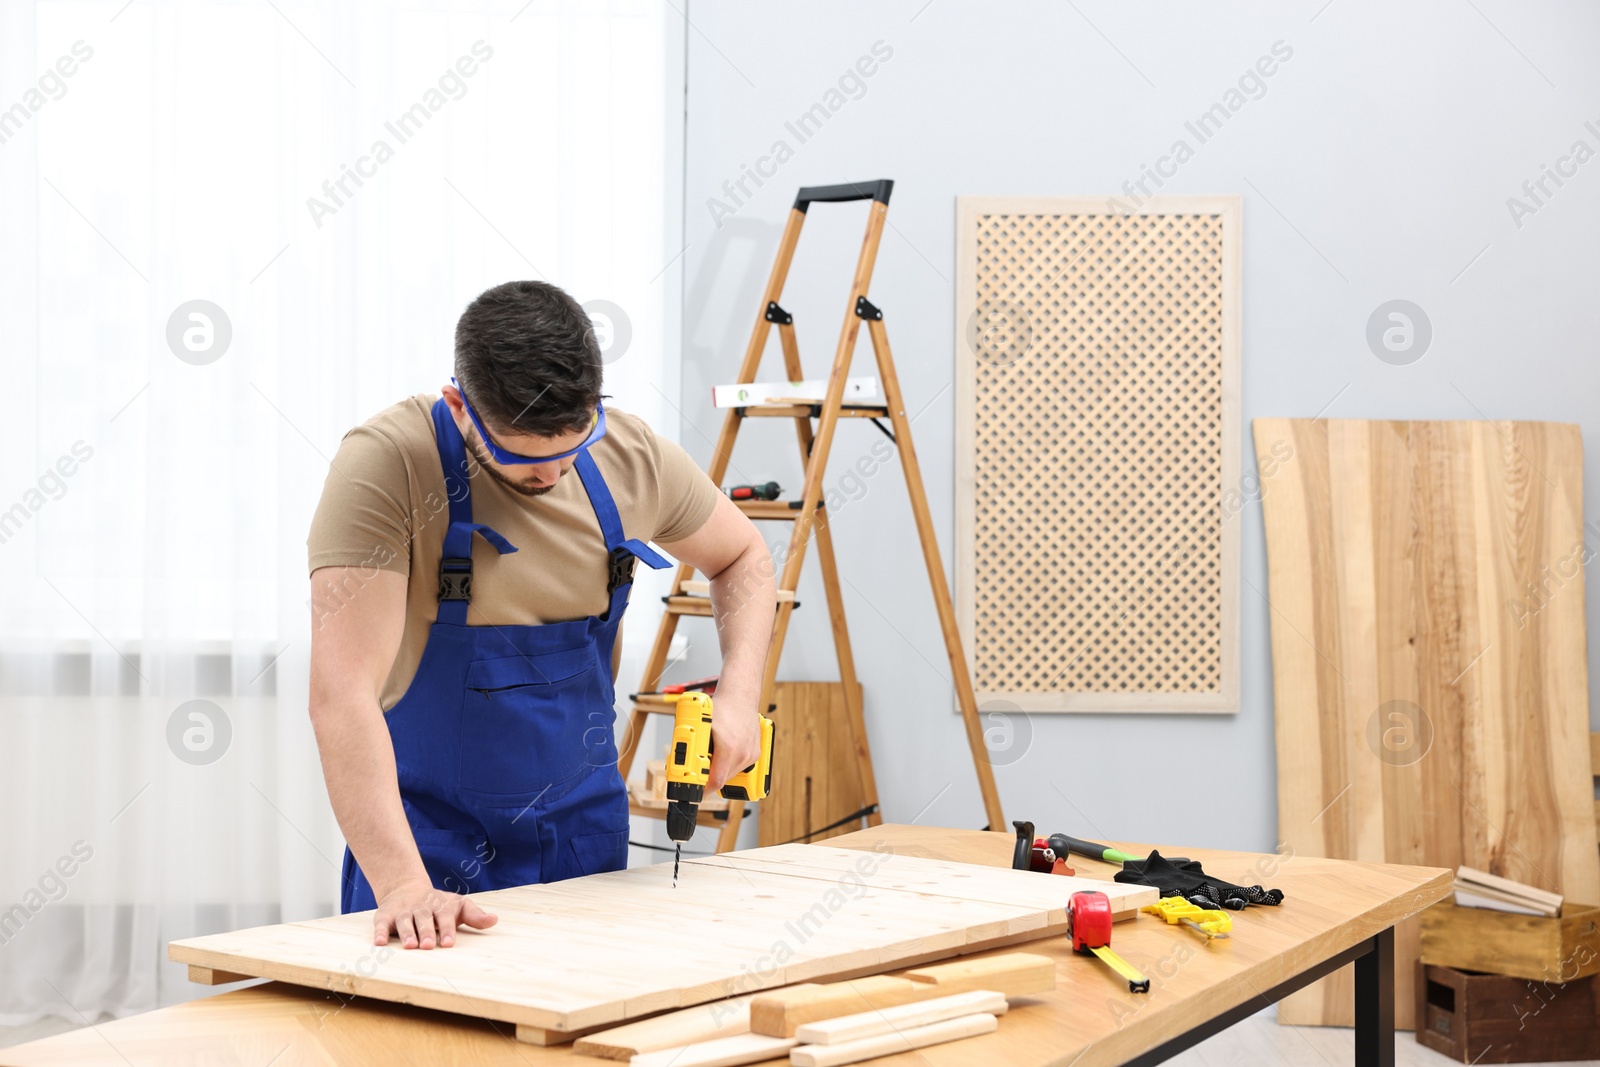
689, 764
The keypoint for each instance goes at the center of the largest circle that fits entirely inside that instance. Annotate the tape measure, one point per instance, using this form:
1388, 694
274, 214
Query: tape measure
1089, 924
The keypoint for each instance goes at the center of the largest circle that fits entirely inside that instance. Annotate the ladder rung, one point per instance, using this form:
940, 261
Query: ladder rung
797, 411
652, 703
701, 606
782, 510
701, 587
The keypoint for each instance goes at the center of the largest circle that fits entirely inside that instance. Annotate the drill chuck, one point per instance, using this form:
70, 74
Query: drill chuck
683, 809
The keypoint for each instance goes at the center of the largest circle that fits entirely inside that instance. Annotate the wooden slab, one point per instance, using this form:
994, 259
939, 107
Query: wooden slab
605, 948
1430, 674
815, 777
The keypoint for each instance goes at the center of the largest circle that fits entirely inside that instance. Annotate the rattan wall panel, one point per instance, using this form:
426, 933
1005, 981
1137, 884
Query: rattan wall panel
1097, 441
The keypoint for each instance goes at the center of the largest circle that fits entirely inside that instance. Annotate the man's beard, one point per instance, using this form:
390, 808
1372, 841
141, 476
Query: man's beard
514, 486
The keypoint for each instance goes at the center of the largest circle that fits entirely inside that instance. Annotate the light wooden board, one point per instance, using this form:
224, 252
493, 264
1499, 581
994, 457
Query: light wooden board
1426, 583
815, 778
604, 948
1097, 452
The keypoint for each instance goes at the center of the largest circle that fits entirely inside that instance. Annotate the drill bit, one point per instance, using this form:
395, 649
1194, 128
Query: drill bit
680, 823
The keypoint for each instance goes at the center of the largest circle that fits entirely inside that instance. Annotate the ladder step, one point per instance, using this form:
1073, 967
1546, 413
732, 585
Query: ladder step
800, 411
783, 510
700, 607
701, 587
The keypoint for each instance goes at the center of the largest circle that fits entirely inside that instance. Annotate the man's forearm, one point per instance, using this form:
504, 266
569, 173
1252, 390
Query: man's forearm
364, 788
743, 603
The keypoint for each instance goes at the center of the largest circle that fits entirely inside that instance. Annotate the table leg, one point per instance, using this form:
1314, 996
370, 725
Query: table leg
1375, 1003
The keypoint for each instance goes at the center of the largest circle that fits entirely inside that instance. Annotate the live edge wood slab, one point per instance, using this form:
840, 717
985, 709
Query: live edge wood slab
1089, 1019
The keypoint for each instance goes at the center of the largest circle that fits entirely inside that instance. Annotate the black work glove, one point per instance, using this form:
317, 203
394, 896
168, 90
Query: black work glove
1184, 878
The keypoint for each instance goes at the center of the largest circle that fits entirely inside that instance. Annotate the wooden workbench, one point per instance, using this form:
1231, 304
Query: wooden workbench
1336, 912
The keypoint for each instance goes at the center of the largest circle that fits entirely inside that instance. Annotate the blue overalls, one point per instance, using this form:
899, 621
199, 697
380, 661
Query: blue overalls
504, 740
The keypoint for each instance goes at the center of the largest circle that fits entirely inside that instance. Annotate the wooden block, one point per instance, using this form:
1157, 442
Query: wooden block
538, 1035
781, 1012
212, 976
1521, 946
723, 1052
906, 1016
889, 1044
1012, 974
655, 779
704, 1022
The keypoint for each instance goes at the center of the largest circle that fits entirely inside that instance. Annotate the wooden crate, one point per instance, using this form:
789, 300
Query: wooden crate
1518, 946
1489, 1018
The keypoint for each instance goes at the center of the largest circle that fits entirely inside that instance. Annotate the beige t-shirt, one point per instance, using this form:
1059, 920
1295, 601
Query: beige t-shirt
384, 507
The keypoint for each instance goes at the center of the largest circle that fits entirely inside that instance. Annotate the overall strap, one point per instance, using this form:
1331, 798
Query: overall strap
624, 550
455, 564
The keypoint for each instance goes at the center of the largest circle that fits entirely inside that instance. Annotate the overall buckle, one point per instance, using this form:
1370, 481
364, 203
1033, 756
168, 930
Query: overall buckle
622, 562
455, 579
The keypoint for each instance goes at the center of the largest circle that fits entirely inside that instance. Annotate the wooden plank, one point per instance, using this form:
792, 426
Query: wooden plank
782, 1012
887, 1020
720, 1052
1013, 974
898, 1041
1430, 667
701, 1023
603, 949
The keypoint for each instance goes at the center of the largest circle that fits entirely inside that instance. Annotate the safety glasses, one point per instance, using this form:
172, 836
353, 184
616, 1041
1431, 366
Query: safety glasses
597, 430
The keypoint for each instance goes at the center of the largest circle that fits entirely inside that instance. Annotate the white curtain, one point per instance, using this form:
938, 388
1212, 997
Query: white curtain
160, 458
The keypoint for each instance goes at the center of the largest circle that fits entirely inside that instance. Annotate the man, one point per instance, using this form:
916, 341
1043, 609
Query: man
471, 559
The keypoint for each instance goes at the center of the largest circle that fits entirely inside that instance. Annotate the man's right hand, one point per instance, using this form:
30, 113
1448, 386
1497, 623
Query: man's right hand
422, 916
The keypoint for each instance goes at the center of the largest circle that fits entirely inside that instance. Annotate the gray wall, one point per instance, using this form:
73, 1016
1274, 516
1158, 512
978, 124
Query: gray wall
1375, 164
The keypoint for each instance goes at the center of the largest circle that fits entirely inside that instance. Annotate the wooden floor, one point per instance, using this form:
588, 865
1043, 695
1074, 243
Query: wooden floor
1257, 1040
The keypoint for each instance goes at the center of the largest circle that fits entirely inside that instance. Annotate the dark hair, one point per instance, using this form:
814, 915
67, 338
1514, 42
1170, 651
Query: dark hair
528, 360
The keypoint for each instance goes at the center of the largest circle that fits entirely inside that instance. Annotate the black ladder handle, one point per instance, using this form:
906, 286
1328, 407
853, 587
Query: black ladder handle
878, 190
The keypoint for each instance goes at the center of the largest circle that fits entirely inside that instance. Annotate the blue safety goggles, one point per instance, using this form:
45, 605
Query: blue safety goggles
501, 455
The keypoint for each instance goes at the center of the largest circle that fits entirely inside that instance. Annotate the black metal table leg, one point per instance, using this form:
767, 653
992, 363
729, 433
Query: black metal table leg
1374, 960
1375, 1003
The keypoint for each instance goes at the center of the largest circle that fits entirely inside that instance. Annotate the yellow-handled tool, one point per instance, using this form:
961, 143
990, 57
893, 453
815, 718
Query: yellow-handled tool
689, 767
1208, 924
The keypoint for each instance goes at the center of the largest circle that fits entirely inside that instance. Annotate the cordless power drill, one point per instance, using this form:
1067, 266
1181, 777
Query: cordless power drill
689, 767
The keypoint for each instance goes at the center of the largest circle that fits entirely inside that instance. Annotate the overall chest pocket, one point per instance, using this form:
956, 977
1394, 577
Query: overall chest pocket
531, 723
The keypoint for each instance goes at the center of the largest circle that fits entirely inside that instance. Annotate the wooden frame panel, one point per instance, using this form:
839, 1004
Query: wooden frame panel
1097, 452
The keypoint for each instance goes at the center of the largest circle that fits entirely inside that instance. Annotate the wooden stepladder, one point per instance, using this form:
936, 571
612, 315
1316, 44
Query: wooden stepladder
809, 513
